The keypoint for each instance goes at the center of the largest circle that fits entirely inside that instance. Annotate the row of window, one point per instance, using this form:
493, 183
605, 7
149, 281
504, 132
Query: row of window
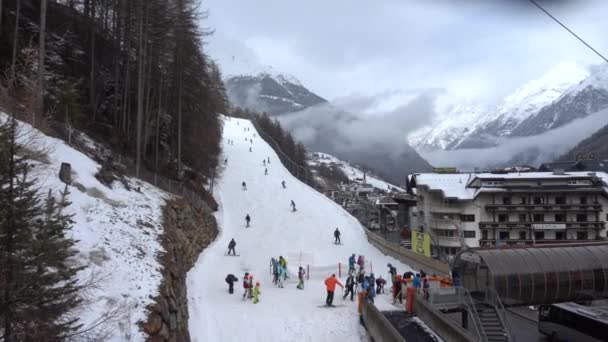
452, 233
538, 235
541, 218
560, 200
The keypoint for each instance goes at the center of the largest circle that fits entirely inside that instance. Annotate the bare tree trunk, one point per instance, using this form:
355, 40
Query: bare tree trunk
160, 100
0, 17
119, 17
9, 236
93, 101
140, 93
41, 57
179, 125
15, 41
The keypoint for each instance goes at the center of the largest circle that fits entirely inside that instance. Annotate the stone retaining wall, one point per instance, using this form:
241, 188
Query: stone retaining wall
188, 230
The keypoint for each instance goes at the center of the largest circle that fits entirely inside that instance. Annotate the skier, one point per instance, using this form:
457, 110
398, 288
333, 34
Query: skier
251, 141
351, 264
250, 149
264, 162
268, 160
397, 289
280, 276
350, 287
247, 219
231, 279
244, 186
293, 205
380, 282
226, 161
245, 284
416, 282
330, 283
283, 184
231, 246
361, 261
392, 270
301, 273
275, 271
283, 263
256, 293
337, 236
266, 172
250, 287
372, 286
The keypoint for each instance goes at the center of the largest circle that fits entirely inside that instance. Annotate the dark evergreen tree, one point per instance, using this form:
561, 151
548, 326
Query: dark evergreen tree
38, 284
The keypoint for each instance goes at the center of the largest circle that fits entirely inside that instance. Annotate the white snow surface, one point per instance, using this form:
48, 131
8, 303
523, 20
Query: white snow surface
304, 237
353, 173
117, 232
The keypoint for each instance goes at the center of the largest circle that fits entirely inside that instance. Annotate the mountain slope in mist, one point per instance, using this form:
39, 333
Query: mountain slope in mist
478, 127
376, 143
274, 94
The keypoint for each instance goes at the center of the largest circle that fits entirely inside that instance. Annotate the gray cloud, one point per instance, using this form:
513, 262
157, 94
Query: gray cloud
534, 150
471, 48
377, 141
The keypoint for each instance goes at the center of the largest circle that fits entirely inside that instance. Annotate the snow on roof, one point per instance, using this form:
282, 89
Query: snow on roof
451, 185
456, 185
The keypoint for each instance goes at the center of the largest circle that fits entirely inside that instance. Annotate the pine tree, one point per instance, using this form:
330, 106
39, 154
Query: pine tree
38, 283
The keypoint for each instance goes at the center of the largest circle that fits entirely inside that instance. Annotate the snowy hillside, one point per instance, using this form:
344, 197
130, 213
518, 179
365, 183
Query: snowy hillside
118, 233
270, 92
304, 237
353, 173
474, 127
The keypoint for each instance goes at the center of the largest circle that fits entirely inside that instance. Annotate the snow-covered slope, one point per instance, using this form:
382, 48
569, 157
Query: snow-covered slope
305, 237
472, 126
118, 237
353, 173
270, 92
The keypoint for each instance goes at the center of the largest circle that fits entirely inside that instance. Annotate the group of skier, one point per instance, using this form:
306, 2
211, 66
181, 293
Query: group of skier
419, 281
278, 269
250, 291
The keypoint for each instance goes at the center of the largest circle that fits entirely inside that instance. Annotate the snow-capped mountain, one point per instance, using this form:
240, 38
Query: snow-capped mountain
270, 92
447, 128
476, 127
354, 173
588, 97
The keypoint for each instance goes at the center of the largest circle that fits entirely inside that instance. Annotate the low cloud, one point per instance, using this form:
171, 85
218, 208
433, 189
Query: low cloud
377, 141
533, 150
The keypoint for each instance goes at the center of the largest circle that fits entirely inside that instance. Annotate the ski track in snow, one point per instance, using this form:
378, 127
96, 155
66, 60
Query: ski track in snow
286, 314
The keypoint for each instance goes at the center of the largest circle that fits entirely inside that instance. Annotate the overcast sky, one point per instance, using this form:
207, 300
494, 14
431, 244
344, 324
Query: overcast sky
476, 49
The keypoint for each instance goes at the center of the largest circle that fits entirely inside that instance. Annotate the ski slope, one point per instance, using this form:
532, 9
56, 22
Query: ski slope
283, 314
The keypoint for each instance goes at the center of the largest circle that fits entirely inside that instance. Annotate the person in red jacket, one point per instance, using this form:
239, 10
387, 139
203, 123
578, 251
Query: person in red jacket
330, 283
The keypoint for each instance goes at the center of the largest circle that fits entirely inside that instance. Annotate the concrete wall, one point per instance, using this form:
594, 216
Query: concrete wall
416, 261
441, 324
377, 325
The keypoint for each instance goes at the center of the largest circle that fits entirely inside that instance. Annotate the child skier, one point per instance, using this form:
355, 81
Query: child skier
361, 262
293, 205
231, 279
350, 287
283, 263
301, 273
380, 282
247, 219
231, 246
250, 287
351, 264
244, 186
245, 284
266, 171
256, 293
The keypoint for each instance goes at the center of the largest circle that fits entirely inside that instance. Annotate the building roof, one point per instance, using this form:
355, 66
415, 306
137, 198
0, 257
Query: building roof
457, 186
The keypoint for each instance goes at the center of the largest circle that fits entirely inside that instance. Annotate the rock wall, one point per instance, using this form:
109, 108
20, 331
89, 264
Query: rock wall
188, 230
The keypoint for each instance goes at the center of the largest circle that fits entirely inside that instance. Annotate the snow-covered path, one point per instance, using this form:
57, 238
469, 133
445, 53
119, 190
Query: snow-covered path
283, 314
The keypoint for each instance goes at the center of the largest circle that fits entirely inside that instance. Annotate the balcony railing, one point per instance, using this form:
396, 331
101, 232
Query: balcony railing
543, 225
543, 207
